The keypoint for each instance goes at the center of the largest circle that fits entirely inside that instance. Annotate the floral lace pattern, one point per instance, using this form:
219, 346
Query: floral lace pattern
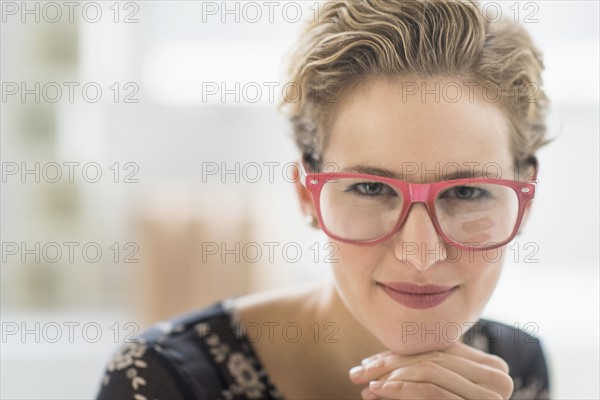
244, 372
129, 356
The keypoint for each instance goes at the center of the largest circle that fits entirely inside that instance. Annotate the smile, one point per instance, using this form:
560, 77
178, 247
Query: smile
417, 296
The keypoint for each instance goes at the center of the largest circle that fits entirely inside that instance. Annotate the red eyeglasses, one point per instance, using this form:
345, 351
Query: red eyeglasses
471, 213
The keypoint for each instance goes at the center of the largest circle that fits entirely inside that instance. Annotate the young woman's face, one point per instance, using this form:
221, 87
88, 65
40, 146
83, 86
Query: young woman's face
382, 126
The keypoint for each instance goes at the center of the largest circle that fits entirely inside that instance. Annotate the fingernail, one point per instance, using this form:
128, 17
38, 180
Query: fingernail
375, 384
355, 372
368, 360
374, 364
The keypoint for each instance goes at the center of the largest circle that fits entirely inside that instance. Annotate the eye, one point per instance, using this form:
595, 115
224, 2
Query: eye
371, 189
465, 193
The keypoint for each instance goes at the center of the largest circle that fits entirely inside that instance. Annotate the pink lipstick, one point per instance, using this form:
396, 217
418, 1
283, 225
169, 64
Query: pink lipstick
417, 296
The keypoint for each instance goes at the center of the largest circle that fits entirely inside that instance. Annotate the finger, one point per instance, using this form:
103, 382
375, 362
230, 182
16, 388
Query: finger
367, 394
461, 375
378, 366
473, 364
481, 357
478, 373
379, 355
410, 390
431, 372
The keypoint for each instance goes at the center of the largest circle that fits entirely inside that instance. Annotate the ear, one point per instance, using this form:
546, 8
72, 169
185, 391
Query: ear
304, 196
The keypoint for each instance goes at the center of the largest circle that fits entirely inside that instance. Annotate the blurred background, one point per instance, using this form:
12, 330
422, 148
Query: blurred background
145, 173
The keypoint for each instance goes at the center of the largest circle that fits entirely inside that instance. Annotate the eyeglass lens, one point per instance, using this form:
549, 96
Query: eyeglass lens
477, 214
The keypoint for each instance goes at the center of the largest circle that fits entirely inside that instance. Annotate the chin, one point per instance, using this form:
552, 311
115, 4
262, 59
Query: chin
421, 336
412, 346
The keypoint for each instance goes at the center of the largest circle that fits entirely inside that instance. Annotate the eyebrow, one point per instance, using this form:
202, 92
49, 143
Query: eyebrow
364, 169
462, 173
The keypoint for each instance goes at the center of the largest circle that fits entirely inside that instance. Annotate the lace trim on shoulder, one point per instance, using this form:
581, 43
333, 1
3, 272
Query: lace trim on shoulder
129, 357
248, 376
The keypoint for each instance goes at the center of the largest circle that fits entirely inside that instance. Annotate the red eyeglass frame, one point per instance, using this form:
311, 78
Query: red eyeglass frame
417, 193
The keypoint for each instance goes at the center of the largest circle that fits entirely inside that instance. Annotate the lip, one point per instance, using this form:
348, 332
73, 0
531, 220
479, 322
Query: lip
417, 296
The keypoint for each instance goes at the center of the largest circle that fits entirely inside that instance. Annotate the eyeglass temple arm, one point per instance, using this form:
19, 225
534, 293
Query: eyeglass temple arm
302, 169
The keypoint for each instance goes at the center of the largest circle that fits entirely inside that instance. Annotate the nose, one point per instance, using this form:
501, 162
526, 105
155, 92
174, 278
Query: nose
417, 241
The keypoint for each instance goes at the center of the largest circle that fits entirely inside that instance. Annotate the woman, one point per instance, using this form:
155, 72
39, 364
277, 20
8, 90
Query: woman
418, 124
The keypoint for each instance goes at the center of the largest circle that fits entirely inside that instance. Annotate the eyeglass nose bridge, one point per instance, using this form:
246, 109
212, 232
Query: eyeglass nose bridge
419, 192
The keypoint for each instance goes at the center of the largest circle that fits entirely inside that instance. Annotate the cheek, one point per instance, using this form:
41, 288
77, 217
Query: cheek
481, 277
353, 273
355, 264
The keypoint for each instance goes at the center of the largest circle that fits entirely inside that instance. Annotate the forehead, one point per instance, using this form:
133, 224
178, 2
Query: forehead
432, 123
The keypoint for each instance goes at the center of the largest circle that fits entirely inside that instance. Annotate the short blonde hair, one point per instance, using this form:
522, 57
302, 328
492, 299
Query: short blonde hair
355, 41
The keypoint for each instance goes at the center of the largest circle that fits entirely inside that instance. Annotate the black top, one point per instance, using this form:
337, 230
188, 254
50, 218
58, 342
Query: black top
202, 355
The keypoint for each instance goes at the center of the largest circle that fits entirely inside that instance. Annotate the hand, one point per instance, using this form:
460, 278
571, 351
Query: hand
459, 372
